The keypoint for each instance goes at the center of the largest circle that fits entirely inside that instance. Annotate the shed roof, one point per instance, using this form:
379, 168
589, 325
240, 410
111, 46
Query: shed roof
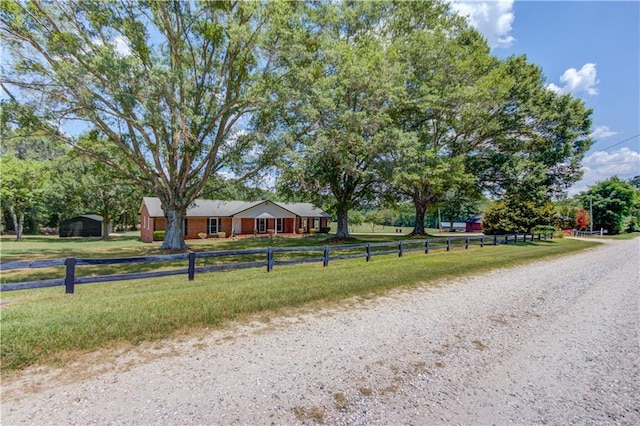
95, 217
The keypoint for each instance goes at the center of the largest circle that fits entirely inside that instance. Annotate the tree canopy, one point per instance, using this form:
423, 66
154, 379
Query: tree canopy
353, 102
615, 204
171, 84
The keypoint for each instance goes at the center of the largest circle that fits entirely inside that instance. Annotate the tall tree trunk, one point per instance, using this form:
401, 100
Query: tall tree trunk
17, 223
174, 233
106, 221
343, 223
421, 209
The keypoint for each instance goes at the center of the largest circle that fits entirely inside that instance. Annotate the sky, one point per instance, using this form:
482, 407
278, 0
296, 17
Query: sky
590, 49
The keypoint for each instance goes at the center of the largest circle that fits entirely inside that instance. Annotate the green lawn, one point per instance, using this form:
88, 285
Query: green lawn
46, 326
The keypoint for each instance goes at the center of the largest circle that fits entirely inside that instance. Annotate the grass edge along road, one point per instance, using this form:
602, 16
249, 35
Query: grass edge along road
46, 326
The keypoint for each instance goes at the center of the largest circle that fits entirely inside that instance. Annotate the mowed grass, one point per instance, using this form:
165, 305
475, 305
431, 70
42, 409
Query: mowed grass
46, 326
34, 248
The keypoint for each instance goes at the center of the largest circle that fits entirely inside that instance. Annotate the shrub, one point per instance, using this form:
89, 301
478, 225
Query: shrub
512, 216
325, 229
158, 235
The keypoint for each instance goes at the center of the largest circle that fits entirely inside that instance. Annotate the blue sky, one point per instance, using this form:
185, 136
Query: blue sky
587, 48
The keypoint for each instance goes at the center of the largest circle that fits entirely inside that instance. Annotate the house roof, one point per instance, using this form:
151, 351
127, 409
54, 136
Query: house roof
220, 208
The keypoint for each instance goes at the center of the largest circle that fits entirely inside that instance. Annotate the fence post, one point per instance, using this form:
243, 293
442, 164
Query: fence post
70, 275
426, 247
368, 252
325, 257
506, 238
448, 243
466, 243
551, 235
400, 249
192, 266
495, 239
269, 259
482, 241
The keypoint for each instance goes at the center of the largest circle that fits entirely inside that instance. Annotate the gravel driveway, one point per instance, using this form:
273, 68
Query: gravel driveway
551, 342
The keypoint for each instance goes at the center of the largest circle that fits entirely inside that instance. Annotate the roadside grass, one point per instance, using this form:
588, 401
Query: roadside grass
624, 236
48, 327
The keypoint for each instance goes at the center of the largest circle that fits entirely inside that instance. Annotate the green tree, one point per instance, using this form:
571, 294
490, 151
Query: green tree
613, 202
81, 185
374, 218
21, 186
513, 215
452, 87
567, 209
343, 103
356, 218
171, 84
541, 138
460, 202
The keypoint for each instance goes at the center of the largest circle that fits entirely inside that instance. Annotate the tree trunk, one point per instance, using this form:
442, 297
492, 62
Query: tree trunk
17, 222
418, 227
174, 233
343, 224
105, 227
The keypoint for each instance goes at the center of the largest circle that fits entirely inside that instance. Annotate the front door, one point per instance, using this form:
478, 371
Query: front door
237, 225
262, 225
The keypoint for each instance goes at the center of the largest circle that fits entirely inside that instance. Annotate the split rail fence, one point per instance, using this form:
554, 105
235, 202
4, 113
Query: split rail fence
322, 254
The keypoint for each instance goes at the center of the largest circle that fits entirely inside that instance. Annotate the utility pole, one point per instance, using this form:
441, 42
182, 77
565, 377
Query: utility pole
590, 214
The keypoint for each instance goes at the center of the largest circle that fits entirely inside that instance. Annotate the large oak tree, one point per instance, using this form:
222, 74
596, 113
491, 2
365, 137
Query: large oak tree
170, 83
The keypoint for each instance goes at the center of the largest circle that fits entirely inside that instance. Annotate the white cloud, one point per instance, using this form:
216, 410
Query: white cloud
119, 43
577, 81
601, 165
492, 18
122, 46
602, 132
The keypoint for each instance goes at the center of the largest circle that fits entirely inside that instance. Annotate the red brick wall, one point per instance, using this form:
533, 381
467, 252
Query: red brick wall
146, 226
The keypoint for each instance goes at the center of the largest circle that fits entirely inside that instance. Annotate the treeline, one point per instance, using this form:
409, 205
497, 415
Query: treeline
348, 104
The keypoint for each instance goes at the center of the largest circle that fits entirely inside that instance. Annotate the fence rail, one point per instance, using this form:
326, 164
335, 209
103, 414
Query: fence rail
329, 253
588, 233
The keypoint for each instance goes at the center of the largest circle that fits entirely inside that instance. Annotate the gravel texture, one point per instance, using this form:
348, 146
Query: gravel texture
554, 342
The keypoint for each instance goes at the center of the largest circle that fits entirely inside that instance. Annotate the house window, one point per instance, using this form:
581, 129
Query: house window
213, 225
262, 225
279, 224
186, 227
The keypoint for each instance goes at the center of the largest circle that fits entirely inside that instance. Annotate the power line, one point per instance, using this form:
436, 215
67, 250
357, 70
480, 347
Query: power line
621, 142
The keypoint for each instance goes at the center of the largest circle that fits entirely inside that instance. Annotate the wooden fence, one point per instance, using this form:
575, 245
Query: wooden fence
324, 255
588, 233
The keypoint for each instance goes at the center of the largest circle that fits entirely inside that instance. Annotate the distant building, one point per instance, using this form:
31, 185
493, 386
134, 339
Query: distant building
457, 226
474, 224
88, 225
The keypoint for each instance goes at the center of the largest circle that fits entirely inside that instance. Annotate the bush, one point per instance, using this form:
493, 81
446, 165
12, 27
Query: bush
325, 229
514, 216
158, 235
543, 228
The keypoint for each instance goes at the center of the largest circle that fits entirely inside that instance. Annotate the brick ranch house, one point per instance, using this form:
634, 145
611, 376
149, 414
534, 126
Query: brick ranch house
235, 218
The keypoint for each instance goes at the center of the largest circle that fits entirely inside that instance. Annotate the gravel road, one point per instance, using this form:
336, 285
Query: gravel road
553, 342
